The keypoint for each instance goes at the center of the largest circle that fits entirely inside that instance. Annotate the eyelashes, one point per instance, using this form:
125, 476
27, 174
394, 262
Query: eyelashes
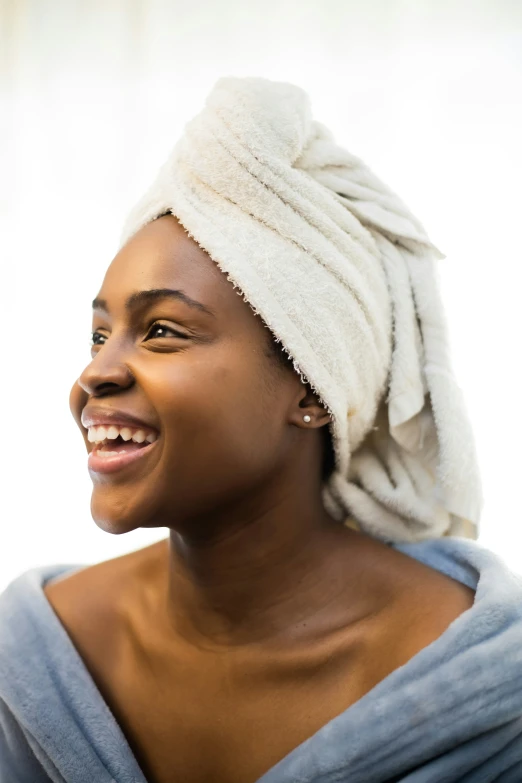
165, 329
97, 336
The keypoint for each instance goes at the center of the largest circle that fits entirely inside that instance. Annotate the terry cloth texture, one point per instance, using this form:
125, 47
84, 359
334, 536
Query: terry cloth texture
452, 713
344, 276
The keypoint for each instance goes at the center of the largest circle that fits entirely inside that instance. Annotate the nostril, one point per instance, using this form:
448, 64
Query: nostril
101, 388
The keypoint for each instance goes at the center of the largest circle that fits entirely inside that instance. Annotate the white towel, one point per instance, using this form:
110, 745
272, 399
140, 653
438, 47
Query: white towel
344, 276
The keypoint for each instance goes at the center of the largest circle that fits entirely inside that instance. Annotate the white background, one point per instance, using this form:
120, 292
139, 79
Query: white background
94, 95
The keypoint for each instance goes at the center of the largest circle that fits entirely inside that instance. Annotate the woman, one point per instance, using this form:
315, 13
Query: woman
269, 381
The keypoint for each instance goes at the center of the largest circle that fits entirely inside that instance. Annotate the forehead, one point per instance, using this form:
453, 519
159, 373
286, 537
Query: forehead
163, 255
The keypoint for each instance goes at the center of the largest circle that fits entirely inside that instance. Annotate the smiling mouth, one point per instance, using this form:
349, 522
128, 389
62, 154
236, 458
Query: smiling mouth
111, 454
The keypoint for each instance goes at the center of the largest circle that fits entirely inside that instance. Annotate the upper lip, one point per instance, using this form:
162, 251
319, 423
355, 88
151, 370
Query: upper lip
98, 417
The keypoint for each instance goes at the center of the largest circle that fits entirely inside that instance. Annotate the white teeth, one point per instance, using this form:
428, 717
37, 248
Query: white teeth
108, 453
103, 434
96, 434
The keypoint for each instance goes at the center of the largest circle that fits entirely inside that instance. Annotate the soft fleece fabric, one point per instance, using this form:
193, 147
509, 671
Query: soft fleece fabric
344, 275
452, 713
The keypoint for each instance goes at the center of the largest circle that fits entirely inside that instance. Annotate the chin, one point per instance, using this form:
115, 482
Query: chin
120, 514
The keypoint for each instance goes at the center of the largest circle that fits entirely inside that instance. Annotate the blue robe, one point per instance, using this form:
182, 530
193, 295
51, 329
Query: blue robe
453, 712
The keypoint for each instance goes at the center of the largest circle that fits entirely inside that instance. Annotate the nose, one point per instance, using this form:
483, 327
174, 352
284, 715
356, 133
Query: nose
106, 373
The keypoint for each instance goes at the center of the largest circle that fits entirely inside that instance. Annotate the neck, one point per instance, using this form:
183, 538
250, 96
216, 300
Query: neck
260, 578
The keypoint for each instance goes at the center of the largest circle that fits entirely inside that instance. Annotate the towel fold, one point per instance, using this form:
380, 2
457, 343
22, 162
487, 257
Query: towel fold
344, 276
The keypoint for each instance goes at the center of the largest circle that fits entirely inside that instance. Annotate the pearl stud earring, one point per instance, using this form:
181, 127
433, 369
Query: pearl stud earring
307, 418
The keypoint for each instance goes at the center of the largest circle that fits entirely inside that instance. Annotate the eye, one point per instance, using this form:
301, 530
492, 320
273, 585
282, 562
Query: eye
160, 330
95, 338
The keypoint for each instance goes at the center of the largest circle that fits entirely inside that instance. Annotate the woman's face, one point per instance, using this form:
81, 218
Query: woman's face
198, 376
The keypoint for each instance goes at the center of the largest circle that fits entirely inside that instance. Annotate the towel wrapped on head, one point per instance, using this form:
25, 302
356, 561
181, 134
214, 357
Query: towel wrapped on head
344, 276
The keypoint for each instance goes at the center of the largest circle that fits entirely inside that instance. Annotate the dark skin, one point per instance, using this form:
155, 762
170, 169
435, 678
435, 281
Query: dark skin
258, 605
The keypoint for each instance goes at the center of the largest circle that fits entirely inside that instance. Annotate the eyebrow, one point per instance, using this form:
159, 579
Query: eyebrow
153, 295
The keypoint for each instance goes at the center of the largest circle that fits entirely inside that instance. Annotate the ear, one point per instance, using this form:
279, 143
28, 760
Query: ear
307, 403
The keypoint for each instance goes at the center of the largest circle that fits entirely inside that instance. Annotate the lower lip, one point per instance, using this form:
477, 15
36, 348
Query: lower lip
99, 464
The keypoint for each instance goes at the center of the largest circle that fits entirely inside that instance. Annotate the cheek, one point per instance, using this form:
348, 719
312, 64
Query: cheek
218, 416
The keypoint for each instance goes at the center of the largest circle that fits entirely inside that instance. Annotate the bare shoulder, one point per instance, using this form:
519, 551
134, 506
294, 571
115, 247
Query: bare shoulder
423, 581
426, 602
93, 601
